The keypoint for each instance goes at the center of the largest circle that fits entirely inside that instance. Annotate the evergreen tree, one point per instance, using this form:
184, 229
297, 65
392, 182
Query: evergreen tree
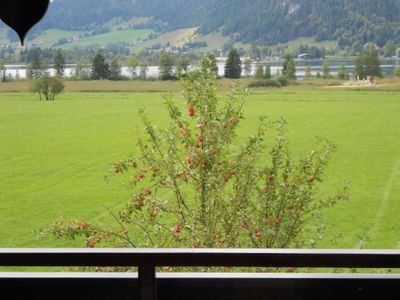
59, 63
165, 63
100, 68
267, 72
115, 70
233, 66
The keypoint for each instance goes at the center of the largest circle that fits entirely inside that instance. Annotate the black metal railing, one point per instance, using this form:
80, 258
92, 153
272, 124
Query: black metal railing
147, 284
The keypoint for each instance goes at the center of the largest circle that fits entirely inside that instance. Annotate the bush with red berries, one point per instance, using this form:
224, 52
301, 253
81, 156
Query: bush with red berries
194, 186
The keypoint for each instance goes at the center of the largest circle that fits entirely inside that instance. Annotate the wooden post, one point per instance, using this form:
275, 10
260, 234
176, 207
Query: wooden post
147, 283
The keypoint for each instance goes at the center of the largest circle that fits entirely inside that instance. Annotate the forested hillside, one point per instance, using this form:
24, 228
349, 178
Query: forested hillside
265, 22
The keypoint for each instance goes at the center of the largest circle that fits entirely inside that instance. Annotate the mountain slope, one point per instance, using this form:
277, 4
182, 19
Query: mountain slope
252, 21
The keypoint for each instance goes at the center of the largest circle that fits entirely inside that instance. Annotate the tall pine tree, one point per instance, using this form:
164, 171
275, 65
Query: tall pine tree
233, 66
100, 68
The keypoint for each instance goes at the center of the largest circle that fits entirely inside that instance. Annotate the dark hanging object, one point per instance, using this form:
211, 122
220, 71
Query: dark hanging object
22, 15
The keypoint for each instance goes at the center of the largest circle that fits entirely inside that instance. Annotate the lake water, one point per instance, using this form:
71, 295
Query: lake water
387, 66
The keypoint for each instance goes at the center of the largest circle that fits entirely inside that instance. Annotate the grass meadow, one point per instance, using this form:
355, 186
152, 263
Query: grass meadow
54, 155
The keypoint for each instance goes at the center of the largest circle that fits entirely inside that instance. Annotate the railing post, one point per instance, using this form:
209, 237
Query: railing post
147, 283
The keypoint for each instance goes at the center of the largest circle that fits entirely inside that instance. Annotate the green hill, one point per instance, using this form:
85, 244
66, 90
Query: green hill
262, 22
256, 21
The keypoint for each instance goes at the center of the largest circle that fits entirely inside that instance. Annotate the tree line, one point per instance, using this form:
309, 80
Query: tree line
171, 67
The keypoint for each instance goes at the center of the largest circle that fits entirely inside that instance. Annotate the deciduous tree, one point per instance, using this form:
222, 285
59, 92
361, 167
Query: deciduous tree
359, 70
165, 64
48, 87
326, 71
267, 72
193, 186
36, 68
115, 70
3, 71
342, 74
289, 69
59, 63
133, 64
390, 49
307, 72
183, 65
213, 63
247, 67
259, 72
143, 67
371, 63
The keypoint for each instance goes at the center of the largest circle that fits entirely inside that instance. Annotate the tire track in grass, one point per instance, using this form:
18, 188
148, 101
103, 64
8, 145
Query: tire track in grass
382, 206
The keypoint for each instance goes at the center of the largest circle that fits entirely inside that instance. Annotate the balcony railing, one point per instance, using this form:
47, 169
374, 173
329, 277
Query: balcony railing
149, 285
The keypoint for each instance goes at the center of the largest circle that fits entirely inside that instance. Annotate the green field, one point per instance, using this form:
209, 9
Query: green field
50, 37
127, 35
53, 156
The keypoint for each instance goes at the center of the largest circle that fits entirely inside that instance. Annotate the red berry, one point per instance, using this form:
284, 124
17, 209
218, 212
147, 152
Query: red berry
178, 229
258, 234
201, 138
271, 178
191, 111
126, 232
225, 126
233, 120
82, 225
277, 221
266, 189
244, 226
